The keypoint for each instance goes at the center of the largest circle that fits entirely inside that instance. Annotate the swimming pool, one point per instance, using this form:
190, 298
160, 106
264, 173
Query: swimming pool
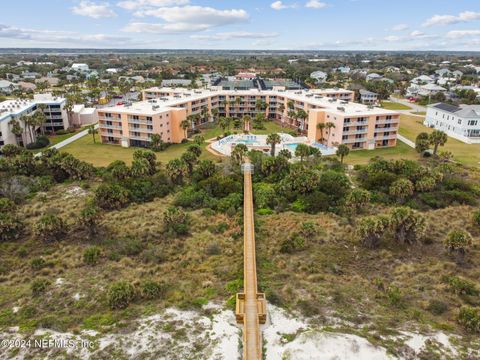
291, 147
257, 142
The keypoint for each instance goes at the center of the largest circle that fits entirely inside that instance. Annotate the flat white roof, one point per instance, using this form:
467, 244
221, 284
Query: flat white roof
312, 97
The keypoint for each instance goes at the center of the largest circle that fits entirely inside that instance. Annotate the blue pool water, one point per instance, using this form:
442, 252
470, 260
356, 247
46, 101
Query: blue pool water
291, 147
247, 142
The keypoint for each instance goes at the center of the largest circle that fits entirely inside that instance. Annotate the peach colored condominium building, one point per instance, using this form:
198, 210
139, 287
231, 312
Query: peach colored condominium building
162, 110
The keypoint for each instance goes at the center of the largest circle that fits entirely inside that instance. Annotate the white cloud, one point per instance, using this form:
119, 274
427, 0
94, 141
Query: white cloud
279, 5
456, 34
60, 37
465, 16
315, 4
137, 4
392, 38
186, 18
234, 35
400, 27
93, 10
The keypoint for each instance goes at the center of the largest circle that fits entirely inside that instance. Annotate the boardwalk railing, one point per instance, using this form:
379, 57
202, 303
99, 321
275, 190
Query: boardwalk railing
251, 305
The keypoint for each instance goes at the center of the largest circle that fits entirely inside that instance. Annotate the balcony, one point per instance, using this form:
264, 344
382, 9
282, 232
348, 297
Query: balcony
355, 132
354, 140
143, 122
385, 137
105, 126
356, 123
141, 138
115, 135
140, 129
391, 121
379, 129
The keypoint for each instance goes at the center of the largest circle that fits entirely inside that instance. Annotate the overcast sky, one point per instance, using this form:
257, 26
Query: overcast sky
243, 24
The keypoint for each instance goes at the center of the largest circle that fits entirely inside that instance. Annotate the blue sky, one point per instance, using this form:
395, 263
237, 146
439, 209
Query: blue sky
243, 24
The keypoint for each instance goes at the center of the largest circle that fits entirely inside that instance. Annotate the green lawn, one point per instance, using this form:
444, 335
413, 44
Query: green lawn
411, 126
55, 139
102, 154
401, 151
389, 105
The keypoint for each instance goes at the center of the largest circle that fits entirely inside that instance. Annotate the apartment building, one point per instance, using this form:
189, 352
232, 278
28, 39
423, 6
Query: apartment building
162, 110
56, 116
461, 122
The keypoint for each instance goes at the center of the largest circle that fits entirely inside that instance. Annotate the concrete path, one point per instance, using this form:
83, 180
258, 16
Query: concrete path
406, 141
69, 140
414, 107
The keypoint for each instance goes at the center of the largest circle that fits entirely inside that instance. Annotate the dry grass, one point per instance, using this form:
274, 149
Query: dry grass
336, 275
182, 263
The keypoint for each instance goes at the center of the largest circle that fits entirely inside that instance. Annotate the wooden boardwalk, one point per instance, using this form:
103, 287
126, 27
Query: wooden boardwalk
251, 305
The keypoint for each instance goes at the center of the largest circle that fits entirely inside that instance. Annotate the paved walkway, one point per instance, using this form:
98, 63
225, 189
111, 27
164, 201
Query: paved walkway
406, 141
69, 140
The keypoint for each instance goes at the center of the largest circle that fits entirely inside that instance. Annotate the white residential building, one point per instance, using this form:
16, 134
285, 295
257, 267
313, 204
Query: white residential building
80, 67
56, 116
319, 76
422, 79
7, 87
368, 97
460, 122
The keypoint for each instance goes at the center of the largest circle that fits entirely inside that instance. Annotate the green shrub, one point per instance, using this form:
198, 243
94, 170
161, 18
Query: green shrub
37, 263
50, 227
231, 203
189, 198
437, 307
462, 286
6, 205
176, 221
10, 226
308, 229
469, 317
476, 217
265, 211
213, 249
39, 286
292, 244
120, 295
91, 255
153, 290
111, 196
394, 295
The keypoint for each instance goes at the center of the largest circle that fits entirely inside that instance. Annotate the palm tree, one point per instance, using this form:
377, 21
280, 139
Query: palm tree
93, 131
25, 120
41, 116
69, 108
222, 122
176, 170
17, 129
272, 140
185, 124
293, 116
321, 127
247, 120
329, 125
301, 114
238, 153
156, 142
302, 151
214, 114
438, 138
342, 151
290, 104
191, 119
